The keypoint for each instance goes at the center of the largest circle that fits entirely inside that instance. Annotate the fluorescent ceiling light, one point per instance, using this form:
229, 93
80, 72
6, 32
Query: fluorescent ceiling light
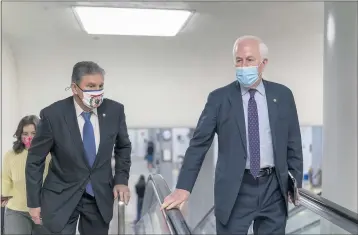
131, 21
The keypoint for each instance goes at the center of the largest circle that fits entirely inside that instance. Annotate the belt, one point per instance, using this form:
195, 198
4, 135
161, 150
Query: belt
263, 171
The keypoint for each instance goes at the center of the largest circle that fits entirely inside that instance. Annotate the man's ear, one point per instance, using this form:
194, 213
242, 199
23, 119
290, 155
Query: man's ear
73, 88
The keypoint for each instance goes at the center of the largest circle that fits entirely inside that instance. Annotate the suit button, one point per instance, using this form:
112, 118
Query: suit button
82, 190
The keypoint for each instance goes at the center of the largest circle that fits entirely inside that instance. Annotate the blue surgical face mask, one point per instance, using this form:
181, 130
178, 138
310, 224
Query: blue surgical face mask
247, 76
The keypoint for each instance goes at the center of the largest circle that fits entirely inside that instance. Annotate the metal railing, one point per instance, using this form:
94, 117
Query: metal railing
121, 218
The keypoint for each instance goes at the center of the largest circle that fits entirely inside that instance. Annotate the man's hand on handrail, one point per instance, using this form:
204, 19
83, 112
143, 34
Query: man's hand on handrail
176, 199
294, 202
122, 192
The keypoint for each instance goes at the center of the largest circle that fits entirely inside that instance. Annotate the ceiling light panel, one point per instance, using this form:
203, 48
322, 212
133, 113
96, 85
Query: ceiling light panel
131, 21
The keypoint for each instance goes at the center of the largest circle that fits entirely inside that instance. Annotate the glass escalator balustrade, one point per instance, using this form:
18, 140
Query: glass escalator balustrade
302, 221
155, 221
207, 225
315, 215
308, 222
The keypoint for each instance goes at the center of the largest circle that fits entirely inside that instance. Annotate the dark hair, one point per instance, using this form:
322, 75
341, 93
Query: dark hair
84, 68
141, 179
18, 146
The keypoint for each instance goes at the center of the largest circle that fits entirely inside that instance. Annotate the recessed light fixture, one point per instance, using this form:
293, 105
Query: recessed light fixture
131, 21
331, 29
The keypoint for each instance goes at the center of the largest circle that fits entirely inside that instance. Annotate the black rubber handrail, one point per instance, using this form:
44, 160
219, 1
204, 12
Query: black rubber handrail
175, 217
328, 205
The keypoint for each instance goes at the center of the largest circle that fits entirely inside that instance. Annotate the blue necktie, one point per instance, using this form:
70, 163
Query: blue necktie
89, 145
254, 135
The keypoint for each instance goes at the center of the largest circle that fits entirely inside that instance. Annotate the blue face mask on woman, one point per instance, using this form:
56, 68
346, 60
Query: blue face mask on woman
247, 76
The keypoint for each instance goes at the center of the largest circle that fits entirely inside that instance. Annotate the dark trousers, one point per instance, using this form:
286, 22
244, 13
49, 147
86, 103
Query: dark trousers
139, 208
90, 219
2, 219
260, 201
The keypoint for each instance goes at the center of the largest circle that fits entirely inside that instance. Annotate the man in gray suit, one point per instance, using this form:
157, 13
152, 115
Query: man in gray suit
259, 143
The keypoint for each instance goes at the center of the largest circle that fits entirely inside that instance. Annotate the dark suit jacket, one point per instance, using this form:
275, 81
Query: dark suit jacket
223, 114
69, 170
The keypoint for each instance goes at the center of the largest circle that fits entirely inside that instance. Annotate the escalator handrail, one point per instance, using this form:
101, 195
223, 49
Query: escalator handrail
174, 216
297, 209
328, 205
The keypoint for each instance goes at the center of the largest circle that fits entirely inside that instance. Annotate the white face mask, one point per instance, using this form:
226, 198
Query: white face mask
92, 99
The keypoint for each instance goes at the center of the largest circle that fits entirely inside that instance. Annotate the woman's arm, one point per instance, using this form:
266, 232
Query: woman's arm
6, 180
47, 163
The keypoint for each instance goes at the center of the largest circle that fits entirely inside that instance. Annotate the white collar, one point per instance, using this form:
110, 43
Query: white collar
260, 88
79, 110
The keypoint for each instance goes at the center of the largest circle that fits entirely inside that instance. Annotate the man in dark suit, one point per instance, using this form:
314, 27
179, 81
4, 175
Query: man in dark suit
259, 143
79, 132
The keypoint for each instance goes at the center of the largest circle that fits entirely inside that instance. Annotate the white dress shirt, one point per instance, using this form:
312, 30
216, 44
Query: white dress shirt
94, 121
266, 148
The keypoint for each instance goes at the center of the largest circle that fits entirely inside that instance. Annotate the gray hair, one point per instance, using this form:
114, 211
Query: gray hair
262, 46
85, 68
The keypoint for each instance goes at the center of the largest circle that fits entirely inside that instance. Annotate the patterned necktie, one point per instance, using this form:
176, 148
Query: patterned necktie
89, 145
253, 134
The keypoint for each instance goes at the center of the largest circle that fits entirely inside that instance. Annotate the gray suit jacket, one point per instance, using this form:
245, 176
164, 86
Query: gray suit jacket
69, 170
223, 114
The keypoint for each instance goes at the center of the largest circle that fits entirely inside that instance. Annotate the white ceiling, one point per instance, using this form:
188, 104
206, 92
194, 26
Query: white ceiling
47, 41
25, 23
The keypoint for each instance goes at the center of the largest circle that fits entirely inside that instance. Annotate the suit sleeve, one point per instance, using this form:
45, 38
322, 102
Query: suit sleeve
199, 146
122, 152
294, 145
35, 165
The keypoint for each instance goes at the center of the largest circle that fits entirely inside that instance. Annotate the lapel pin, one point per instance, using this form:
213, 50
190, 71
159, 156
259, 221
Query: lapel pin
274, 100
104, 115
